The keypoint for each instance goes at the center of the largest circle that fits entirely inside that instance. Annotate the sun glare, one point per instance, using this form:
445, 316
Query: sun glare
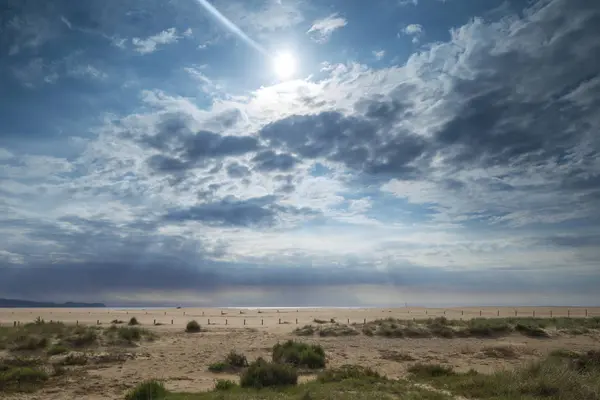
284, 65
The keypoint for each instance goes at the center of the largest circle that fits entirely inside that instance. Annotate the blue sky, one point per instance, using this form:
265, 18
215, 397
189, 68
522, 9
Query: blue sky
422, 151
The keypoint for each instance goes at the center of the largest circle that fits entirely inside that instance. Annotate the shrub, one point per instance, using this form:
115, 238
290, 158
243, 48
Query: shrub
306, 330
82, 338
133, 321
129, 334
193, 327
236, 360
57, 349
148, 390
348, 372
587, 361
430, 370
29, 343
225, 384
261, 374
75, 359
118, 321
319, 321
219, 366
21, 378
299, 354
533, 331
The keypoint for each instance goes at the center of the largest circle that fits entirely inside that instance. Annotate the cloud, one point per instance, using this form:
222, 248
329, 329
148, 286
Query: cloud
151, 43
472, 164
322, 29
270, 16
379, 54
414, 30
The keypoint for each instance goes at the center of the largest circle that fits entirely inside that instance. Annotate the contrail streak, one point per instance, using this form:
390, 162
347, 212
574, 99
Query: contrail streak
231, 26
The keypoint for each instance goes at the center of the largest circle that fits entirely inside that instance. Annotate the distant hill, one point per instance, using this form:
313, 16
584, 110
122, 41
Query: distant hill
13, 303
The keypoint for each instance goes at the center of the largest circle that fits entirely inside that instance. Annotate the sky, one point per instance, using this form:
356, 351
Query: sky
300, 152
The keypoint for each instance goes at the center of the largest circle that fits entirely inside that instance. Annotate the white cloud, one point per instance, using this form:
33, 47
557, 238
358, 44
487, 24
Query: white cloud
272, 16
379, 54
151, 43
322, 29
414, 30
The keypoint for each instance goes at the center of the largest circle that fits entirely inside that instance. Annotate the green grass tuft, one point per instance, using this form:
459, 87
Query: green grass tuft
299, 354
148, 390
261, 374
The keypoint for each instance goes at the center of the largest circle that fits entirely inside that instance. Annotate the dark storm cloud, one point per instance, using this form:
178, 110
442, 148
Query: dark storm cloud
357, 143
206, 144
258, 211
183, 151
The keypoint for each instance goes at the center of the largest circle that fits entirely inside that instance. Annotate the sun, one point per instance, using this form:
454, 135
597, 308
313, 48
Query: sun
284, 65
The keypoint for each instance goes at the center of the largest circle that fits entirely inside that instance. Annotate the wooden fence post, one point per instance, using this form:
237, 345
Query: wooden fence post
154, 322
171, 322
244, 321
262, 321
497, 313
98, 322
225, 321
568, 313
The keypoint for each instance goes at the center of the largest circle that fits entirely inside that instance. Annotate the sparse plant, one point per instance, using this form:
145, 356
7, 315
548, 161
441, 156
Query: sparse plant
261, 373
225, 384
193, 327
133, 321
348, 372
430, 370
57, 349
236, 360
148, 390
299, 354
75, 359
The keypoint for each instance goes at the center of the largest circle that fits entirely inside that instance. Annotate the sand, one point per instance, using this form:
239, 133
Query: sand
181, 359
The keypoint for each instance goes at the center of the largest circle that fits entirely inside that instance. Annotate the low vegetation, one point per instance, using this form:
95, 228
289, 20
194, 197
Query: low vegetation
133, 321
573, 378
233, 362
148, 390
193, 327
261, 374
298, 354
477, 327
326, 329
41, 350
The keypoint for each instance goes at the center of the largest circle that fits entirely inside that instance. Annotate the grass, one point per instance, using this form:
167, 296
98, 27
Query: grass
225, 384
133, 321
148, 390
298, 354
75, 359
193, 327
56, 349
552, 378
261, 374
233, 362
347, 382
331, 329
477, 327
21, 378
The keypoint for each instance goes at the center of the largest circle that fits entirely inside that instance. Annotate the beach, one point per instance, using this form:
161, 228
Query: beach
181, 359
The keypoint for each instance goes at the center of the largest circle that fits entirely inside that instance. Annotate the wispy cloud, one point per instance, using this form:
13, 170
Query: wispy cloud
322, 29
151, 43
